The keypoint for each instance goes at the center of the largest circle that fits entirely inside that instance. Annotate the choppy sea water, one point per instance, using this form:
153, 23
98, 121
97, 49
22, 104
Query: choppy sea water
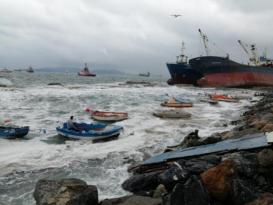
30, 101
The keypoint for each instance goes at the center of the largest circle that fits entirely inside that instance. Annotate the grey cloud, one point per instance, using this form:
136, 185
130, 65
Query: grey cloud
130, 35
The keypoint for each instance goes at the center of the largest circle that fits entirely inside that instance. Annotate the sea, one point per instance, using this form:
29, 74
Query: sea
29, 100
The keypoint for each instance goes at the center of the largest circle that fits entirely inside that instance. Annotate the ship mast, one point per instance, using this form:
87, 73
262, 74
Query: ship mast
205, 41
182, 58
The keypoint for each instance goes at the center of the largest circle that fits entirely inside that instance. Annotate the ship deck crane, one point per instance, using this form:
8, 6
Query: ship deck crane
252, 52
205, 42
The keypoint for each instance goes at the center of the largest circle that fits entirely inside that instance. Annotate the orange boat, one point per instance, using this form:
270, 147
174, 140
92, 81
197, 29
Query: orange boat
225, 98
107, 116
176, 104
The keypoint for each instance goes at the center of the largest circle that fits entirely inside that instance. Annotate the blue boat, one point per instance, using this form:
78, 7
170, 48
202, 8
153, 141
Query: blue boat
13, 132
93, 131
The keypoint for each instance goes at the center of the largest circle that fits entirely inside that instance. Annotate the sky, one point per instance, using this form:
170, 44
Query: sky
128, 35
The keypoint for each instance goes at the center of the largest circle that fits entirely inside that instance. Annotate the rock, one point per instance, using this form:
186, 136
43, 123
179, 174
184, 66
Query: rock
267, 128
191, 140
259, 124
199, 165
176, 173
114, 201
142, 182
210, 140
65, 192
247, 163
195, 193
242, 192
159, 191
190, 193
264, 199
218, 180
265, 158
141, 200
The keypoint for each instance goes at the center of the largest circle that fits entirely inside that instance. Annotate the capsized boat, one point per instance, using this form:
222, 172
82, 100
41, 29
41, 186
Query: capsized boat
225, 98
92, 131
172, 114
86, 72
10, 132
107, 116
177, 104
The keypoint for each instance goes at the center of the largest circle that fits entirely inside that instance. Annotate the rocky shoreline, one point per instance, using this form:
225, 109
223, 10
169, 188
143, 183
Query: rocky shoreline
237, 177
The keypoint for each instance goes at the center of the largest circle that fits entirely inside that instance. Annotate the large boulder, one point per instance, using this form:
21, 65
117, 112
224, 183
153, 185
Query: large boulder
218, 180
264, 199
242, 192
265, 158
191, 140
190, 193
142, 184
132, 200
198, 165
247, 163
141, 200
175, 174
65, 192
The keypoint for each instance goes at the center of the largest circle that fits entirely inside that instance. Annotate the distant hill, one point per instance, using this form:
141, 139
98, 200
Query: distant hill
108, 72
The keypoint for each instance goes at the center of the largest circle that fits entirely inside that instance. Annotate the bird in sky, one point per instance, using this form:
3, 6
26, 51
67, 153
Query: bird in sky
176, 15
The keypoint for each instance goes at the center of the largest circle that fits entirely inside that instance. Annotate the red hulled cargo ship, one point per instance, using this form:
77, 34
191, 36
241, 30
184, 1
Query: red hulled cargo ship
223, 72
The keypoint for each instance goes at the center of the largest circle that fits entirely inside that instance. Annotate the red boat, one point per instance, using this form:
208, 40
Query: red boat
107, 116
226, 98
86, 72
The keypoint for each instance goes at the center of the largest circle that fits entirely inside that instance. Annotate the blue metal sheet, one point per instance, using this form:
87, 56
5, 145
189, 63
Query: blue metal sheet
244, 143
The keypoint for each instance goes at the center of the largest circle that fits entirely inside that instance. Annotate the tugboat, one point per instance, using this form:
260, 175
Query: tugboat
86, 72
30, 70
181, 72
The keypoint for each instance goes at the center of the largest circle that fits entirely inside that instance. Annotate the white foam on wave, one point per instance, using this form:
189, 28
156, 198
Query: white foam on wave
42, 107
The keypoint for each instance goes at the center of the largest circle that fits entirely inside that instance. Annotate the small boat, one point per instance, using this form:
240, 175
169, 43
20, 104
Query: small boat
30, 70
175, 103
92, 131
5, 70
225, 98
172, 114
107, 116
86, 72
144, 74
10, 132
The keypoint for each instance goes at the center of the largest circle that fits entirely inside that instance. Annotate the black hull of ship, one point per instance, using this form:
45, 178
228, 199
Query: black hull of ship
223, 72
182, 73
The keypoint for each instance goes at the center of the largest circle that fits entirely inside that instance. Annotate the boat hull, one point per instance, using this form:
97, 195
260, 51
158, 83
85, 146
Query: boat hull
182, 73
108, 116
86, 74
223, 72
176, 105
13, 132
236, 79
172, 114
109, 131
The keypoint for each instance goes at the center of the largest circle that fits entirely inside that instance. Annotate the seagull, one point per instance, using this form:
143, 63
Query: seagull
176, 15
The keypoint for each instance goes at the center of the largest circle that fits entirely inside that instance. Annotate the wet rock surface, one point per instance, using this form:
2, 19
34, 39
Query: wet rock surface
65, 192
